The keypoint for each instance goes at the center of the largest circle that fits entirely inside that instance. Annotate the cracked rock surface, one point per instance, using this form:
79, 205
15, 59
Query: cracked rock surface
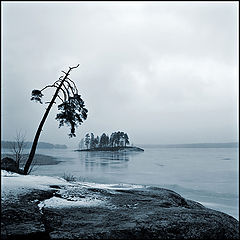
77, 212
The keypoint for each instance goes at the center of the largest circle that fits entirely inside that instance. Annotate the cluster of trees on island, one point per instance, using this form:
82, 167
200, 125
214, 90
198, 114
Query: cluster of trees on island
116, 139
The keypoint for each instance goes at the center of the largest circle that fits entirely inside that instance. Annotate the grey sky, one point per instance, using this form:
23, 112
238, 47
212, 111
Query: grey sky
162, 72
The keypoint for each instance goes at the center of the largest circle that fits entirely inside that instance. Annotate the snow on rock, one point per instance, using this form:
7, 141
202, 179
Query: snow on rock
75, 194
56, 202
5, 173
13, 184
112, 186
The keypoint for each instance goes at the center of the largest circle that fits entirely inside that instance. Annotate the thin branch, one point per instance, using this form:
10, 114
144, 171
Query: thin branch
60, 98
56, 84
70, 69
18, 146
47, 87
69, 86
66, 90
73, 84
49, 102
59, 80
55, 87
74, 67
65, 96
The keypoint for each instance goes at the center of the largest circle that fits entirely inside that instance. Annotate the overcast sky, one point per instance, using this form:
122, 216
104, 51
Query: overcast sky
164, 72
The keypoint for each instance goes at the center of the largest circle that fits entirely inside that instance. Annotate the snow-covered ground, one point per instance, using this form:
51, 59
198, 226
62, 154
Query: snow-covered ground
13, 184
74, 194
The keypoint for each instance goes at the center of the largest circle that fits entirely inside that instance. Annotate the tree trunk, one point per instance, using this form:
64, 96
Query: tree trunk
35, 142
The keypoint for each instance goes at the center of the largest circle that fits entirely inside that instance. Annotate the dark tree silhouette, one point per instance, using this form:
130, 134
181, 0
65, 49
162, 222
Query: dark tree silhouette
112, 139
92, 141
96, 141
104, 140
87, 140
117, 140
126, 139
107, 140
72, 110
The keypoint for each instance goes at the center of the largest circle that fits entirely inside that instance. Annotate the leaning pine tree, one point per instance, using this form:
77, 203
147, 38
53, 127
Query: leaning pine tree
72, 110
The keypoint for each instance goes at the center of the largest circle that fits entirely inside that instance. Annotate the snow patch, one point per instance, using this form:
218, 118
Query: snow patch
5, 173
111, 186
56, 202
72, 194
13, 184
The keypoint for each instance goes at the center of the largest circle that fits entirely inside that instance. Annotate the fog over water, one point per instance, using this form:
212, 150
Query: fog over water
162, 72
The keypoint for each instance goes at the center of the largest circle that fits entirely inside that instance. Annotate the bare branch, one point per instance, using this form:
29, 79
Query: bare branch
49, 102
74, 67
68, 79
69, 86
60, 98
47, 87
18, 146
71, 81
59, 80
66, 90
65, 96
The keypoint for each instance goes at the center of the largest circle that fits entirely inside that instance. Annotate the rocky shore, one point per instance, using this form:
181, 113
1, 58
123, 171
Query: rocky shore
39, 159
90, 211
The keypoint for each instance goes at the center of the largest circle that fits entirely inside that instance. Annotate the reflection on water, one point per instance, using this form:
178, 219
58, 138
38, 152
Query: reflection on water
104, 161
206, 174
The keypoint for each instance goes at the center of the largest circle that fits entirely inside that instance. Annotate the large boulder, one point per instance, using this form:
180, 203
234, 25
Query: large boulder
147, 213
9, 164
150, 213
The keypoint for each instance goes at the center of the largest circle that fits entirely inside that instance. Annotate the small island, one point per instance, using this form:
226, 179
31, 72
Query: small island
117, 141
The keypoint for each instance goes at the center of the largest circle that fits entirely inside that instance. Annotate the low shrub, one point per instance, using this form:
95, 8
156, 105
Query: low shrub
69, 177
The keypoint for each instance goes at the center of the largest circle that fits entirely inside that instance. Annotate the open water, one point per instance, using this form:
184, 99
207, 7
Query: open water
207, 175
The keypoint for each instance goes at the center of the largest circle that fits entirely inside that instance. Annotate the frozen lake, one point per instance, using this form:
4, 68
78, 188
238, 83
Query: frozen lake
207, 175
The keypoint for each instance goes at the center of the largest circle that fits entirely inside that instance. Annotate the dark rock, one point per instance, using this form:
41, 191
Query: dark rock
9, 164
147, 213
22, 219
152, 213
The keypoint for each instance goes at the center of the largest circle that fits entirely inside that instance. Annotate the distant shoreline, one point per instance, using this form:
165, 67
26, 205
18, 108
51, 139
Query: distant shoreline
39, 159
41, 145
195, 145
